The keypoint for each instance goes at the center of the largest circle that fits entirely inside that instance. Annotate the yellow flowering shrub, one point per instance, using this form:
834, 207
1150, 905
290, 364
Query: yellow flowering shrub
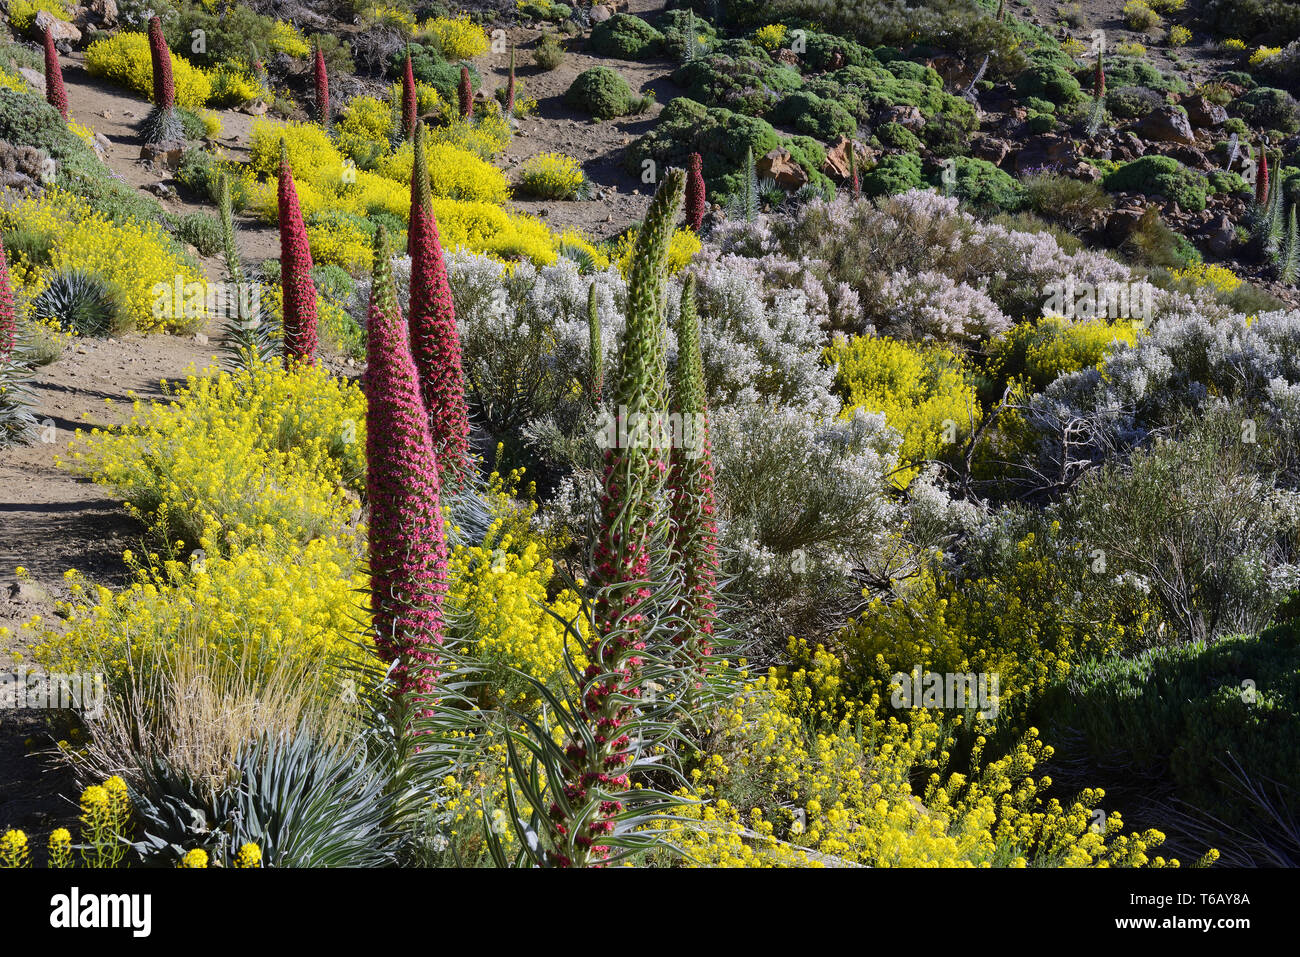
486, 135
454, 173
374, 15
22, 13
133, 257
265, 601
243, 454
503, 589
770, 37
1025, 620
1263, 53
233, 85
796, 774
1179, 36
340, 244
923, 391
1234, 45
286, 38
1219, 278
681, 248
1044, 351
313, 158
551, 176
457, 37
362, 130
13, 81
124, 59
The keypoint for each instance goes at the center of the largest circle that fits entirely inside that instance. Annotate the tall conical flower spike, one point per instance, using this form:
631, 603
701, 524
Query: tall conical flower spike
695, 192
8, 317
164, 88
298, 291
55, 94
465, 93
322, 79
408, 98
435, 342
690, 481
510, 84
632, 529
408, 550
1261, 177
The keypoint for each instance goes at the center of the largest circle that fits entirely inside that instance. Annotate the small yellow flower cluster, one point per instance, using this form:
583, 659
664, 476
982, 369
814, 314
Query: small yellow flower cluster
249, 856
60, 846
194, 859
124, 58
105, 820
14, 851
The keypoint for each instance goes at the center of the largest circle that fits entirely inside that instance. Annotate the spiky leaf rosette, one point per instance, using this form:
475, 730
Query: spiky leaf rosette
247, 337
321, 76
690, 483
162, 123
595, 350
17, 420
298, 289
435, 343
632, 529
695, 192
8, 316
164, 88
465, 93
55, 94
408, 550
408, 98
